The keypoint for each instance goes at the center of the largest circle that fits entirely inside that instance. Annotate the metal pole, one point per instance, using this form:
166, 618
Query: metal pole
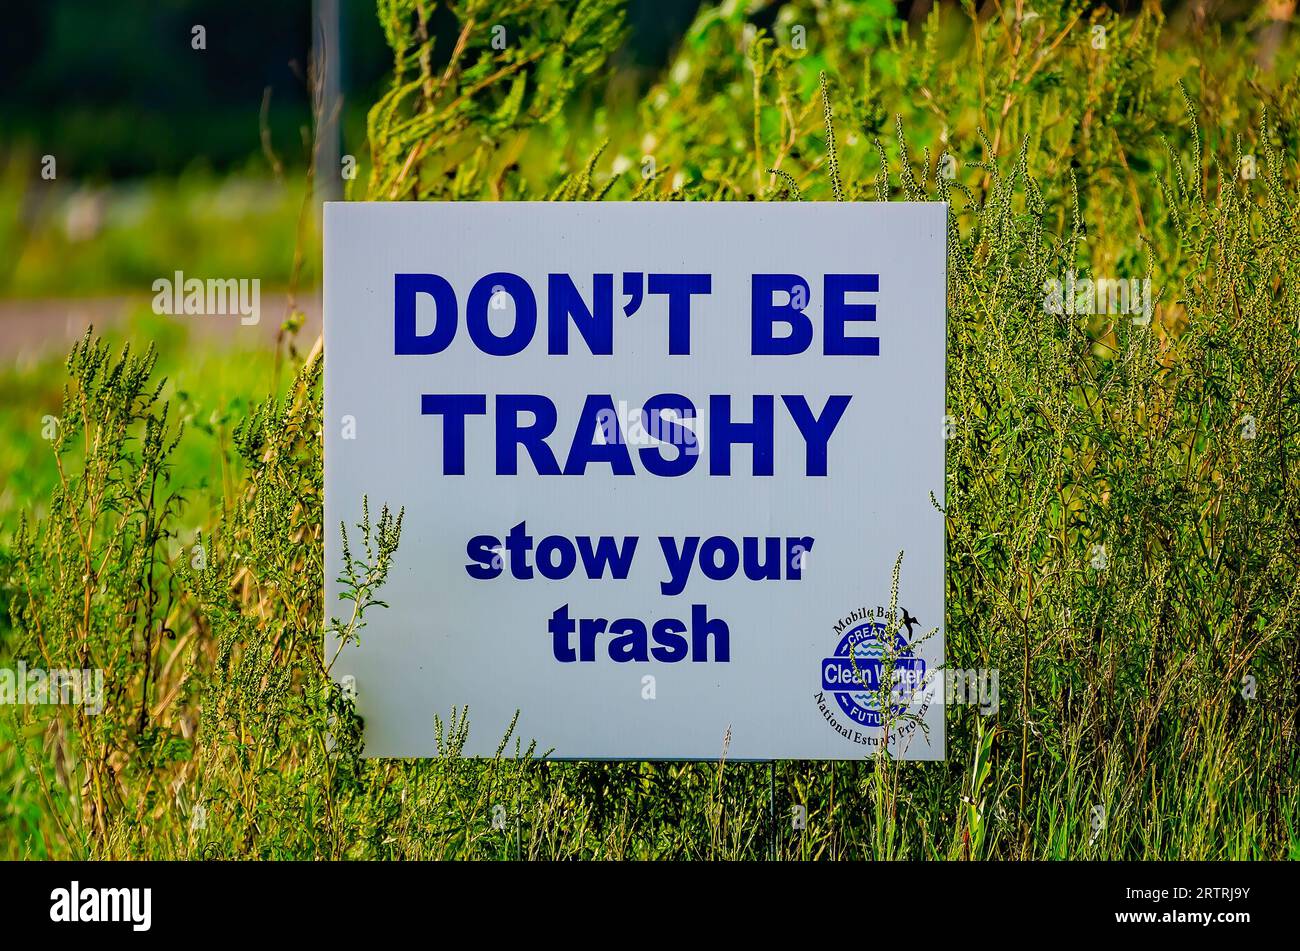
328, 96
771, 803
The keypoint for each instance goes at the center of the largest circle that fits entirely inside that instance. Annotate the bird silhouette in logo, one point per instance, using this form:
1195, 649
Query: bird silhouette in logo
908, 621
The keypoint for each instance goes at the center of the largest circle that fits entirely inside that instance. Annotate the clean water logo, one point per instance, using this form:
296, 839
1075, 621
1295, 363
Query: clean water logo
851, 677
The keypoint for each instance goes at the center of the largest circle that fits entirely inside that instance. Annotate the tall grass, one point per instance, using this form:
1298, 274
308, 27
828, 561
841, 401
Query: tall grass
1122, 541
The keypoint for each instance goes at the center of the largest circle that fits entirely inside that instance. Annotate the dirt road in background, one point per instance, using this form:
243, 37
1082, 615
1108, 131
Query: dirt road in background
32, 329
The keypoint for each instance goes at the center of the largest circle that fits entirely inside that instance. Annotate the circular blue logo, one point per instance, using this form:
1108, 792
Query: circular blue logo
853, 674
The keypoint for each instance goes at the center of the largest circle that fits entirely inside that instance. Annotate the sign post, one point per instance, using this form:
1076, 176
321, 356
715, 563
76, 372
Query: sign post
657, 460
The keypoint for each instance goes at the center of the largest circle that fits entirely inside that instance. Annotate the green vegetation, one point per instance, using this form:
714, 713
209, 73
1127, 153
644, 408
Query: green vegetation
59, 239
1123, 508
209, 388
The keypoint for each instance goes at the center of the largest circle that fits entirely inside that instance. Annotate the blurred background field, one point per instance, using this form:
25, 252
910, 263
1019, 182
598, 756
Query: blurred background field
175, 158
86, 239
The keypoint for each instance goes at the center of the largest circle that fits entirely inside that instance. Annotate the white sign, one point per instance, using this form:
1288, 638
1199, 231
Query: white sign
657, 460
